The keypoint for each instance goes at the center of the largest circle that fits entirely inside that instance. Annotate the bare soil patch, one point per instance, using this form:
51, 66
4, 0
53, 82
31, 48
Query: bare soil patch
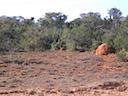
62, 73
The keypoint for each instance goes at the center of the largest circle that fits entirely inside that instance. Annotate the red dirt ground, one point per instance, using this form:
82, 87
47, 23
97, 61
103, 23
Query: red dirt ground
62, 73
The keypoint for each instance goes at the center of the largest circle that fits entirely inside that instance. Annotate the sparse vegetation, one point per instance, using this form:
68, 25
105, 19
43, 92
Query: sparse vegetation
63, 72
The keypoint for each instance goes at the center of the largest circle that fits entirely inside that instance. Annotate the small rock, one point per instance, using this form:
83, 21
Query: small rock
110, 85
122, 88
93, 58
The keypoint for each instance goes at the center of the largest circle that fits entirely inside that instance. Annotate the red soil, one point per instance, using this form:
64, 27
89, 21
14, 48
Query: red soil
62, 73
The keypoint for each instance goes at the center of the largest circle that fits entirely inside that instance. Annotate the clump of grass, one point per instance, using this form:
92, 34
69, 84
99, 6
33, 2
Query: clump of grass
122, 55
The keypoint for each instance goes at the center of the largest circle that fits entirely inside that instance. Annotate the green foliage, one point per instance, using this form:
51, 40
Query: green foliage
53, 32
79, 38
122, 55
9, 33
114, 13
53, 20
44, 43
121, 39
95, 44
109, 40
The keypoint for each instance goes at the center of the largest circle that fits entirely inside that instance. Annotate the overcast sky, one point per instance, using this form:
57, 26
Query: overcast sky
72, 8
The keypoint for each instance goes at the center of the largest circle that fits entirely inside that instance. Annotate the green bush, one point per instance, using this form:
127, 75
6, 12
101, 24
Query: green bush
95, 44
122, 55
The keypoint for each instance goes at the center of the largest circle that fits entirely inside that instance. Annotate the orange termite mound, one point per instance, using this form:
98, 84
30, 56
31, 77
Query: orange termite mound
104, 49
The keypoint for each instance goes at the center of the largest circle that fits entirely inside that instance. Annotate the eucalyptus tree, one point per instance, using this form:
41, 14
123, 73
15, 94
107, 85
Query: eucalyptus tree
53, 19
115, 16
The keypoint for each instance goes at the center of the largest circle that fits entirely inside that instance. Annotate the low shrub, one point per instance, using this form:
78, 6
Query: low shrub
122, 55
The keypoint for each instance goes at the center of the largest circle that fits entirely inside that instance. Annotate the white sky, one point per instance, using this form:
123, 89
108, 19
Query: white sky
72, 8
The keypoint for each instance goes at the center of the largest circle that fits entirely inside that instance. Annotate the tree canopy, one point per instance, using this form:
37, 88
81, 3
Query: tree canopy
53, 32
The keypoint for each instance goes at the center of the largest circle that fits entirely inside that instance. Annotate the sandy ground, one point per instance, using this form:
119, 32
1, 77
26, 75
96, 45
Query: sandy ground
62, 73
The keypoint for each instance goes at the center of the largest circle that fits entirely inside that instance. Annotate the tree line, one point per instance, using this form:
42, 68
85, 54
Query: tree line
52, 31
